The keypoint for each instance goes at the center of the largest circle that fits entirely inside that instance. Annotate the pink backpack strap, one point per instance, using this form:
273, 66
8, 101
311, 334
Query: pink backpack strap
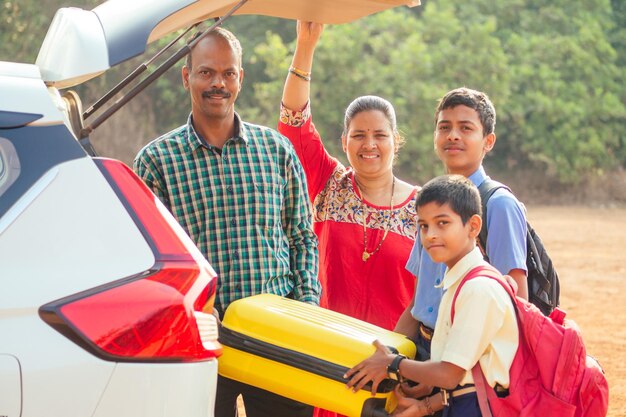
486, 271
483, 391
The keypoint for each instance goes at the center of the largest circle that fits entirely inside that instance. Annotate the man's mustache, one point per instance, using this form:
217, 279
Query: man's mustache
208, 94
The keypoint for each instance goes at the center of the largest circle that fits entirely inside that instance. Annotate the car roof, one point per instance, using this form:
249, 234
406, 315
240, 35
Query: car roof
80, 44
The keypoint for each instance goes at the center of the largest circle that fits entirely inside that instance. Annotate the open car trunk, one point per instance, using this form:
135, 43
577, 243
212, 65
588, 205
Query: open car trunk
80, 44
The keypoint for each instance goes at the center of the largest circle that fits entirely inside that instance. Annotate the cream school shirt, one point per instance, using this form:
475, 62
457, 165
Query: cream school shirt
485, 326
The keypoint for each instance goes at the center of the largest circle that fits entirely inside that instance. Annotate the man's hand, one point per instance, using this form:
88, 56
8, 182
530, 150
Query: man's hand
372, 369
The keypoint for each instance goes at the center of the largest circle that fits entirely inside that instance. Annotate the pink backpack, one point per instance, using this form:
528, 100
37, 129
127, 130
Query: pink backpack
551, 374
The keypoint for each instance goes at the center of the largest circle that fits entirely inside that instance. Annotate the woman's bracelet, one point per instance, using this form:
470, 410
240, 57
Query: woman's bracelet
306, 76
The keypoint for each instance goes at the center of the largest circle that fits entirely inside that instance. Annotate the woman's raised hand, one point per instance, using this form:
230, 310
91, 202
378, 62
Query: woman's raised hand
296, 91
309, 32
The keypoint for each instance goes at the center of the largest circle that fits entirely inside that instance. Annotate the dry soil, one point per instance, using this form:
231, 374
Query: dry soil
588, 247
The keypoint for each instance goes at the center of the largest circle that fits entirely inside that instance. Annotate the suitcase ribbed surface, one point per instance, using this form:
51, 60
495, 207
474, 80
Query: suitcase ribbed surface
301, 351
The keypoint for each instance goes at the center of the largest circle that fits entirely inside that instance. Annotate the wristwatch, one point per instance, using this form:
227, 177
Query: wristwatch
393, 369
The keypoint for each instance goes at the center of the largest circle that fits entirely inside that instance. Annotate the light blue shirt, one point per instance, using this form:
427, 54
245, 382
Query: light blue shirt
506, 249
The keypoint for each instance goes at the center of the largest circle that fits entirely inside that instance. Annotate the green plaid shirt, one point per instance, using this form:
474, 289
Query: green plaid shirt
246, 208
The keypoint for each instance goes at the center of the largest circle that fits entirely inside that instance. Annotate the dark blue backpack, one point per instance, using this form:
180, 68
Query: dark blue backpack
543, 282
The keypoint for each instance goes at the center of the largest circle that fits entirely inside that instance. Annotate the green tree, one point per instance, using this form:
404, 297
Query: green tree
555, 70
564, 118
407, 58
549, 67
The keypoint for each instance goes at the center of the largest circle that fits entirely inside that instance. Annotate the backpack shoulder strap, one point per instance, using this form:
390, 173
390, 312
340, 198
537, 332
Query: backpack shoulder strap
486, 190
481, 271
483, 394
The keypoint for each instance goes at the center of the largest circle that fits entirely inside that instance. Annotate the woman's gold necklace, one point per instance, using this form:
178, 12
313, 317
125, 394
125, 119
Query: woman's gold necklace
366, 255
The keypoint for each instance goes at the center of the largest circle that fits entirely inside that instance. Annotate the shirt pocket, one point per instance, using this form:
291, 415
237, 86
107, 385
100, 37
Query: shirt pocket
268, 203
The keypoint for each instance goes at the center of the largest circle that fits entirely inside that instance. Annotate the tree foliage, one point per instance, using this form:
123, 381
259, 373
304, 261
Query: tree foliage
555, 70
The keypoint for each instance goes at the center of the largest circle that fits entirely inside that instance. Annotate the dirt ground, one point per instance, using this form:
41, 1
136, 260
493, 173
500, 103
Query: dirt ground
587, 246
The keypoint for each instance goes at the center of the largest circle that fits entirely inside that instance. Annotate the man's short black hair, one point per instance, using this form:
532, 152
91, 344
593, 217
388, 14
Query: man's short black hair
220, 33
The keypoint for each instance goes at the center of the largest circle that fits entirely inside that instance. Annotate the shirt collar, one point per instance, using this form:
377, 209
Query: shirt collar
462, 267
196, 140
478, 176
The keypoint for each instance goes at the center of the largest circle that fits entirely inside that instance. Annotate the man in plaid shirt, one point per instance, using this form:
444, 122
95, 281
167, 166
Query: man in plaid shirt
239, 191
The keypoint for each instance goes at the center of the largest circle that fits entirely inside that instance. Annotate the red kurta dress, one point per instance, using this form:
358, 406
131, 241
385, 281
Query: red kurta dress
379, 289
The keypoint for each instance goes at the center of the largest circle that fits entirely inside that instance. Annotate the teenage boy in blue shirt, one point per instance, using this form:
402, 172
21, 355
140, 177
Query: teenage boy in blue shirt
484, 329
464, 133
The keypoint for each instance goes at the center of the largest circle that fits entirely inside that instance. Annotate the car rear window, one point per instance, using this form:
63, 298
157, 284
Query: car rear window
27, 153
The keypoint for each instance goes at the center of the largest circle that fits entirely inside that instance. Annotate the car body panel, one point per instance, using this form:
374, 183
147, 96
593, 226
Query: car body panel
82, 44
191, 398
61, 229
58, 378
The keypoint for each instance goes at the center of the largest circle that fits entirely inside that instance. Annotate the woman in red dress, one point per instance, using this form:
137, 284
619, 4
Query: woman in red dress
364, 216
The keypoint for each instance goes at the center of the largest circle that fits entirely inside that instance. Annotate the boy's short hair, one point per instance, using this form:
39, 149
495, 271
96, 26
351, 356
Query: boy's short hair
473, 99
457, 191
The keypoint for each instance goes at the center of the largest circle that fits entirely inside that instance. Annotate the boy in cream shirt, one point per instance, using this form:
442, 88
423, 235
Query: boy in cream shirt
484, 329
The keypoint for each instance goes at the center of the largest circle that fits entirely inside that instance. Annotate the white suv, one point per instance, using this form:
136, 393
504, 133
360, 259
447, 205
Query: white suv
101, 306
105, 302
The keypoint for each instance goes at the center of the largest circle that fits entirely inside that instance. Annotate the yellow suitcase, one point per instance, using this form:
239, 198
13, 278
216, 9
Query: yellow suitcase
301, 351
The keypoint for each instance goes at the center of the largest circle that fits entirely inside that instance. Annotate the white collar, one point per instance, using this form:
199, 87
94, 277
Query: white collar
462, 267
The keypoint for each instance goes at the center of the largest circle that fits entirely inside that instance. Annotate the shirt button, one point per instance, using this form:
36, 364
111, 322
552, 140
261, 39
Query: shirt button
236, 254
438, 281
238, 287
225, 158
233, 222
430, 309
230, 188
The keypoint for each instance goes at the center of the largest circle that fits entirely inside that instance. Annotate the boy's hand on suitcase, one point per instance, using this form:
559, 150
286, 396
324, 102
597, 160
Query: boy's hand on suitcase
372, 369
415, 391
407, 405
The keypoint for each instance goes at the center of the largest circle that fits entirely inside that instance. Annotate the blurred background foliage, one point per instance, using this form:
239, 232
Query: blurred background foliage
555, 70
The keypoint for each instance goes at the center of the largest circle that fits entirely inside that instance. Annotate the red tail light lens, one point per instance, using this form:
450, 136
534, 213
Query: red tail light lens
153, 316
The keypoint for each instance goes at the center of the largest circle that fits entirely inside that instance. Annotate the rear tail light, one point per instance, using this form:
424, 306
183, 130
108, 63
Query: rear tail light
163, 314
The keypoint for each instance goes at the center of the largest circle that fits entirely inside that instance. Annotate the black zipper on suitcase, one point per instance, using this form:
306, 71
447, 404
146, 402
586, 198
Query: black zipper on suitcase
293, 358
